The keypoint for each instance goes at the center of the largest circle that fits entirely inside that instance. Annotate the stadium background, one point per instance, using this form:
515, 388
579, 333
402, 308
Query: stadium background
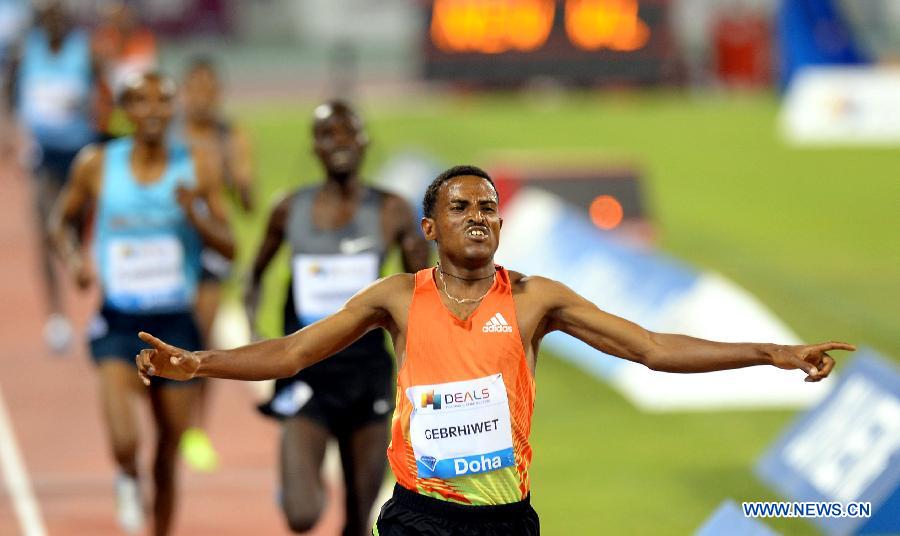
810, 231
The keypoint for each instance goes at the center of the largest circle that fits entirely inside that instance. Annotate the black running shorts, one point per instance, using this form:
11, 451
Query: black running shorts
409, 514
349, 390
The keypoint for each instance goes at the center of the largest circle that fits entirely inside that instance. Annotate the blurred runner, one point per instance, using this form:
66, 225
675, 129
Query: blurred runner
51, 81
14, 21
467, 334
124, 48
155, 202
204, 126
339, 233
14, 18
204, 123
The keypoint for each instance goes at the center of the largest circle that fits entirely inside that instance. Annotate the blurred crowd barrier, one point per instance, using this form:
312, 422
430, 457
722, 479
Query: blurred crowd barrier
846, 449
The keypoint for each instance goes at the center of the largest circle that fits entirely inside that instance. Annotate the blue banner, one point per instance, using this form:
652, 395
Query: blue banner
814, 32
846, 449
729, 520
429, 467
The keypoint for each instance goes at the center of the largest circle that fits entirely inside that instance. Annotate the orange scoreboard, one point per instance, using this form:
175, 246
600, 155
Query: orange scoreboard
500, 42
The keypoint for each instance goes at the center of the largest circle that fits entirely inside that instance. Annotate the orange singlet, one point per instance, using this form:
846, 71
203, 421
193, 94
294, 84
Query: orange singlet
465, 398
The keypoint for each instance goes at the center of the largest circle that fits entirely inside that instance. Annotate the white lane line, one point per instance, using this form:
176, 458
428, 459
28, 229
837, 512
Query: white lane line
16, 478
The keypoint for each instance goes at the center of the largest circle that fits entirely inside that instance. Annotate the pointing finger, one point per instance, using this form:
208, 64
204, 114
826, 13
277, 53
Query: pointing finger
153, 341
834, 345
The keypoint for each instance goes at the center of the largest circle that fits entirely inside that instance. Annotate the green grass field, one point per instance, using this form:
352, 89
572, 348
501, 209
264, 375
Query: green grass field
810, 232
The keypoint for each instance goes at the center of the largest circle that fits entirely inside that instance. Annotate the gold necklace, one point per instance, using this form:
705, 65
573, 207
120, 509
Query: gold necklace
461, 300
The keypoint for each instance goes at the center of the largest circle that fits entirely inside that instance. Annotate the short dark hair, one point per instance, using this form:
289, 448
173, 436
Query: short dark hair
431, 193
135, 81
335, 107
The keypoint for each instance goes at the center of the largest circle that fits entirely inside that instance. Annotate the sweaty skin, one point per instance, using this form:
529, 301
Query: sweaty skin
466, 226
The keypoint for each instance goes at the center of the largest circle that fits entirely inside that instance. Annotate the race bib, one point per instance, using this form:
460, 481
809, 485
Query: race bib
54, 103
460, 428
146, 273
323, 283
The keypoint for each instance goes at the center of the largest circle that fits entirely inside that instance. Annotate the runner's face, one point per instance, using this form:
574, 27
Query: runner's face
55, 21
201, 94
150, 108
466, 223
340, 142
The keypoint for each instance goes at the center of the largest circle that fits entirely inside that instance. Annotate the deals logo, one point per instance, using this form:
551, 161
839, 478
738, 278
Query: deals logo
430, 398
436, 399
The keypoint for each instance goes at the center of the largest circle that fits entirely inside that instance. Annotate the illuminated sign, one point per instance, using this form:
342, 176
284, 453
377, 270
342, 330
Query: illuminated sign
511, 41
491, 27
594, 24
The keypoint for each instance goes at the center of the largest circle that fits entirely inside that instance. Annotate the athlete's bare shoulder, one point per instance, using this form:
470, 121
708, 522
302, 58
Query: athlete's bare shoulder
282, 204
391, 294
531, 284
395, 286
548, 292
90, 155
392, 200
88, 167
395, 207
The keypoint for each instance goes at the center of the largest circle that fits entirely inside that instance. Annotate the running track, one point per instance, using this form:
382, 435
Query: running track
55, 421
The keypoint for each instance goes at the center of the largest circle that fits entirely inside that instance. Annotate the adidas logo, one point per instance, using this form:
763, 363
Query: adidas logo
497, 324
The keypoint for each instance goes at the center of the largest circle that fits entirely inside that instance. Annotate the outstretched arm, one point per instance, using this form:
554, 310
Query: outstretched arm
281, 357
570, 313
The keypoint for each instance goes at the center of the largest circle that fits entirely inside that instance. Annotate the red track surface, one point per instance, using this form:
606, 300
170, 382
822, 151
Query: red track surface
56, 417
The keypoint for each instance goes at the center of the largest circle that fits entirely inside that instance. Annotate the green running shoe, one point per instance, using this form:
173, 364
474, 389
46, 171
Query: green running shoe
197, 451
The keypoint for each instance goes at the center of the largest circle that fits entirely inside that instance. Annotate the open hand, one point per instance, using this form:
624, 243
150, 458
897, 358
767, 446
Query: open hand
812, 359
165, 360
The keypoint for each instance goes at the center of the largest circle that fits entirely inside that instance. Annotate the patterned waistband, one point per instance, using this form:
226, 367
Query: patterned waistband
437, 507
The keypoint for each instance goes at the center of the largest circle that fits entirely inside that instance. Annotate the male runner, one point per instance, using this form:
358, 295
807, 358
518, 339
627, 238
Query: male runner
466, 335
204, 123
50, 85
204, 126
155, 202
339, 233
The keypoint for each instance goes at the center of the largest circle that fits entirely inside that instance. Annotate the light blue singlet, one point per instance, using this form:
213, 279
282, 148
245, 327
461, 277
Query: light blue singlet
54, 90
147, 251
